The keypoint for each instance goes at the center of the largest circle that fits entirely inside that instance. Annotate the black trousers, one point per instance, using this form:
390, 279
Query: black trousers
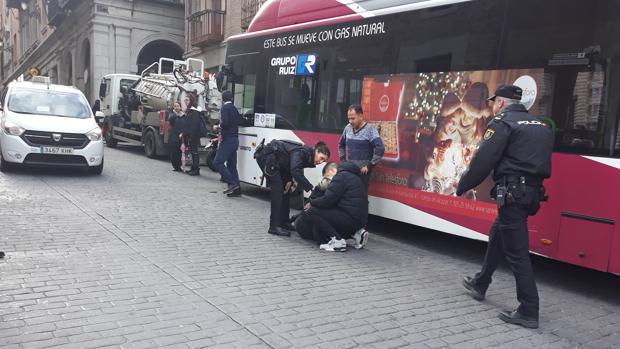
332, 222
303, 226
280, 202
366, 179
194, 143
509, 239
175, 154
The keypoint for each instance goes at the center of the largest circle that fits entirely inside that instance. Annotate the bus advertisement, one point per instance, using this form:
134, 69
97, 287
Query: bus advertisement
422, 71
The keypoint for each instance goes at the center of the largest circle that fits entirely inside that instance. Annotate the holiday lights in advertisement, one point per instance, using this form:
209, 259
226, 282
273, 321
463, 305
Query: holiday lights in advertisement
432, 124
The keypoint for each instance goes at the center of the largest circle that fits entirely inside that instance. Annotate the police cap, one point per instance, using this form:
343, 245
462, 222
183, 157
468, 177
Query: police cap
508, 91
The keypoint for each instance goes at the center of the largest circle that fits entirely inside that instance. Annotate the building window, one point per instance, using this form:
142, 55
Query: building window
206, 21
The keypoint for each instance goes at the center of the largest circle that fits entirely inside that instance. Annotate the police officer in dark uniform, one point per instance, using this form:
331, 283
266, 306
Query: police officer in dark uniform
282, 162
517, 147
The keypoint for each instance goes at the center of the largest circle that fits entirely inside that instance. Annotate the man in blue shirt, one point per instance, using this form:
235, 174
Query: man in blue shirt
227, 147
360, 144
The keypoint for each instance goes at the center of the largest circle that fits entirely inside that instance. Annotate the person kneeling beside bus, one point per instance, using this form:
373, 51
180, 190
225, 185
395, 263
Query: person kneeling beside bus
341, 211
301, 221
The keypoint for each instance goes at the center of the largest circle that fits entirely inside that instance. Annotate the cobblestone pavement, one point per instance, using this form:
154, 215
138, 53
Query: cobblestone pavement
143, 257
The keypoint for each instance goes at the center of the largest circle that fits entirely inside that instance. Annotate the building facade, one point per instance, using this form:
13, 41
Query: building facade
77, 42
210, 22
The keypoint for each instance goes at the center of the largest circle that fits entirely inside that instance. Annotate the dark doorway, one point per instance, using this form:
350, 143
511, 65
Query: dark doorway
153, 51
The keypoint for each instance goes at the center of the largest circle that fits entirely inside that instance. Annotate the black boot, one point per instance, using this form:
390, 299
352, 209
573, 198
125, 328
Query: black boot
517, 318
279, 231
288, 226
236, 191
1, 254
195, 171
474, 292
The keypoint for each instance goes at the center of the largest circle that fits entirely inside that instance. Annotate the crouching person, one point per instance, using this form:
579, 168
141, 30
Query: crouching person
302, 222
341, 211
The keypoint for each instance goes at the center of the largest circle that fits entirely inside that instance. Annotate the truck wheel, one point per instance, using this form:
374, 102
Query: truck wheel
149, 145
109, 134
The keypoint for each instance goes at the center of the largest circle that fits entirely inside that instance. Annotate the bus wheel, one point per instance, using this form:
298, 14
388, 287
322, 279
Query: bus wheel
110, 141
149, 144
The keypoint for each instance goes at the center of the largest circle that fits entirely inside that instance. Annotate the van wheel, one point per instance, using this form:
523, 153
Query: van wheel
96, 170
150, 145
5, 166
109, 133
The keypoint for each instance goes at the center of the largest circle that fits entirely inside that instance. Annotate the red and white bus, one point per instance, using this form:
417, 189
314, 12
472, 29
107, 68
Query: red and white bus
422, 70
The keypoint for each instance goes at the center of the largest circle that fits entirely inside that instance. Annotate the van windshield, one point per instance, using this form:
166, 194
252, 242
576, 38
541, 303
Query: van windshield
46, 102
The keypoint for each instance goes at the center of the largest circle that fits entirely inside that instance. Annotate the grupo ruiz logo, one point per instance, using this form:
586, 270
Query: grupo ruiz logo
302, 64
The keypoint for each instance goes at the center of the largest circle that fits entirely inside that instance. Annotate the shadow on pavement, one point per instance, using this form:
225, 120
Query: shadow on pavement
587, 282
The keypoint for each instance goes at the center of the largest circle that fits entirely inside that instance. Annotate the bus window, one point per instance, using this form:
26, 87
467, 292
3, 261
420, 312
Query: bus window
336, 97
577, 109
577, 59
580, 91
355, 91
245, 91
344, 69
293, 101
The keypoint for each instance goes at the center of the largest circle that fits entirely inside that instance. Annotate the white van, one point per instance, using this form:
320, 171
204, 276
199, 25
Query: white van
48, 125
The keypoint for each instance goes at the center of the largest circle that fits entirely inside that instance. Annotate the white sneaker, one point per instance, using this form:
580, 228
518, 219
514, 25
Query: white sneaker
338, 245
361, 238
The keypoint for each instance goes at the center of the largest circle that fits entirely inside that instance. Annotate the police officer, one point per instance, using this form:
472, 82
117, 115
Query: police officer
282, 161
517, 147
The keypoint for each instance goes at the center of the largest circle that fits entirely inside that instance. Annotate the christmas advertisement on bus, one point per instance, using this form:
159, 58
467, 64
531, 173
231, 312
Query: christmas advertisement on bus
431, 125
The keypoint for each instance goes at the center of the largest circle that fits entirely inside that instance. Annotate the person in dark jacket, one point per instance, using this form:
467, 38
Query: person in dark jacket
228, 144
342, 210
282, 162
96, 106
301, 221
517, 148
175, 119
191, 132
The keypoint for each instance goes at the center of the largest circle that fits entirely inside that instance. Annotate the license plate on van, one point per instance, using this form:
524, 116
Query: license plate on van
56, 150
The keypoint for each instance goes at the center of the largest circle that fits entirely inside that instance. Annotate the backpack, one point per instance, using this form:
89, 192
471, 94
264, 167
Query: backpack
273, 155
267, 158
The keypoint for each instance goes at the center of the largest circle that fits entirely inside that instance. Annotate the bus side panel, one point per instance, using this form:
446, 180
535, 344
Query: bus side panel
250, 137
249, 172
614, 259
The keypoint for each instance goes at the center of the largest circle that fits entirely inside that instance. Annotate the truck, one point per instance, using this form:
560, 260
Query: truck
135, 108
